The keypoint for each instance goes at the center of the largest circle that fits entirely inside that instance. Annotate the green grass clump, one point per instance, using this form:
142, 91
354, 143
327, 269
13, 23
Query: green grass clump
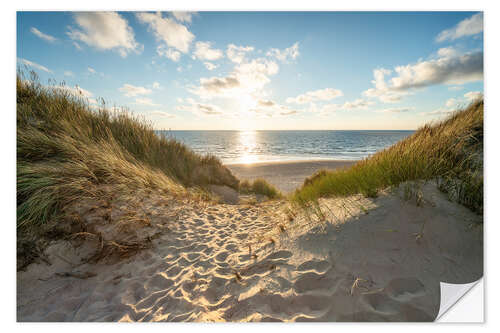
260, 186
450, 151
67, 150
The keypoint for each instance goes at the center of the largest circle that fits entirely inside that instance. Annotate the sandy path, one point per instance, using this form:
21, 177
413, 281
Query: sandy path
286, 176
367, 262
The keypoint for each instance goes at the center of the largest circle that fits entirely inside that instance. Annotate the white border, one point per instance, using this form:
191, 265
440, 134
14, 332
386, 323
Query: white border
7, 200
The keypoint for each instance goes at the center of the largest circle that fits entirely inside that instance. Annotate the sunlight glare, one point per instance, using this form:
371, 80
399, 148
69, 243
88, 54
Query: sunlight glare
248, 144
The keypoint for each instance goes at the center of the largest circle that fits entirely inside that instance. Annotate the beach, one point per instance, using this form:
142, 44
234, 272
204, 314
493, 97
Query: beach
285, 175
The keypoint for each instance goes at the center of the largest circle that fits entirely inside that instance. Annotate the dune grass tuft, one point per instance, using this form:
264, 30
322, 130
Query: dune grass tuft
260, 186
450, 151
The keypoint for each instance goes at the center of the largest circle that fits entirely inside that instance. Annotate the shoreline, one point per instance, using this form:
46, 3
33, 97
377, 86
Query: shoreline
304, 161
285, 175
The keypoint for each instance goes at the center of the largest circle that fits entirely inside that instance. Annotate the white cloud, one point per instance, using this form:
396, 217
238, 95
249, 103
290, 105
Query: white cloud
203, 51
473, 95
395, 110
210, 66
168, 30
265, 103
162, 114
270, 108
454, 104
156, 85
454, 88
33, 65
288, 112
316, 95
457, 69
145, 101
381, 89
43, 36
447, 70
247, 78
217, 86
104, 31
168, 52
237, 53
285, 55
451, 102
94, 72
470, 26
76, 91
200, 108
68, 73
437, 112
132, 91
357, 104
447, 52
183, 16
77, 46
325, 109
254, 75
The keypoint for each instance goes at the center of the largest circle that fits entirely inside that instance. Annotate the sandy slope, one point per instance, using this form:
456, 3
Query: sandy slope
372, 260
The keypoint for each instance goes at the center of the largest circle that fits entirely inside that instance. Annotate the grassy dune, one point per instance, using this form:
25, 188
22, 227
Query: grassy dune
450, 152
260, 186
67, 151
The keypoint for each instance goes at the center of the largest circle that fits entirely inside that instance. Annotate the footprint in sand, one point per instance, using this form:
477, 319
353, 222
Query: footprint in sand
312, 281
193, 256
231, 247
242, 236
173, 272
208, 251
403, 289
283, 254
244, 257
222, 256
314, 265
388, 307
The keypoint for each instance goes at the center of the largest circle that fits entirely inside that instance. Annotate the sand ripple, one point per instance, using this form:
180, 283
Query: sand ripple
232, 263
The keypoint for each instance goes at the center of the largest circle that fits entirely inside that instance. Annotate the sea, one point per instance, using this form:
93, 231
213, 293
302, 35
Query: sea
234, 147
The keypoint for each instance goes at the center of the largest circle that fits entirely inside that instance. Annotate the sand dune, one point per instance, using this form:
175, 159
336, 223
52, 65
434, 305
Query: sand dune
364, 260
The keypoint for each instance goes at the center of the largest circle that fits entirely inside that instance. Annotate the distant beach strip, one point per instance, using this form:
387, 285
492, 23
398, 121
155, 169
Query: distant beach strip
285, 175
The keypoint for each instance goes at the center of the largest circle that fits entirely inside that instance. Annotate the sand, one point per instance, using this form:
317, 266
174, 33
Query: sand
286, 176
365, 259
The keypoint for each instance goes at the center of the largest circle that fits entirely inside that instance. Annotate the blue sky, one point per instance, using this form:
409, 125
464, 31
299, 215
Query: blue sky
262, 70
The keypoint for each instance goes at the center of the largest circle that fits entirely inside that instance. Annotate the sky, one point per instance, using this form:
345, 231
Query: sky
261, 70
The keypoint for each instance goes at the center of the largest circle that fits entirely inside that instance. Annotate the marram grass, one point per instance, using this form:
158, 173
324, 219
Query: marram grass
260, 186
450, 151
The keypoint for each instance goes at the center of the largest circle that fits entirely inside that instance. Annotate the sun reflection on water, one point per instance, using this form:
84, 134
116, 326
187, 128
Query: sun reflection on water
248, 142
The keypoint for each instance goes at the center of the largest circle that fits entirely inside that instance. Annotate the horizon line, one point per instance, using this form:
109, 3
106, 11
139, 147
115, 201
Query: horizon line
281, 130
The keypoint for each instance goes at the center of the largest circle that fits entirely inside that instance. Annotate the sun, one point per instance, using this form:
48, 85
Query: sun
246, 103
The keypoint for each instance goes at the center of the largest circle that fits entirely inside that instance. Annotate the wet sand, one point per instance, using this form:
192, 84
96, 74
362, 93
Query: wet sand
286, 176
